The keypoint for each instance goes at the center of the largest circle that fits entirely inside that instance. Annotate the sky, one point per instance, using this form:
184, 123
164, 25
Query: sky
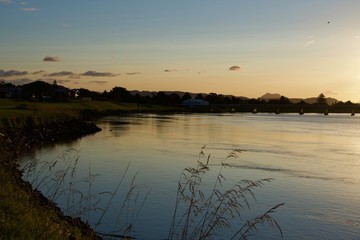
236, 47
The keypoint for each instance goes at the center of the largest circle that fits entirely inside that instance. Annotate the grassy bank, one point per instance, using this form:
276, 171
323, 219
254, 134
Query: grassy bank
17, 114
24, 212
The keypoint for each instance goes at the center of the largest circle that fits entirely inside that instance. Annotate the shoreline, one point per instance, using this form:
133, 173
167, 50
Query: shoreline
17, 142
22, 136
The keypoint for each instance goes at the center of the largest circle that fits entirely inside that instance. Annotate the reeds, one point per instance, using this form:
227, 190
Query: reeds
58, 179
206, 213
198, 213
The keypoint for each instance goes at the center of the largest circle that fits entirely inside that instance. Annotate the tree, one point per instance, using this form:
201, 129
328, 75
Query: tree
119, 94
284, 100
175, 99
161, 98
212, 98
186, 96
199, 96
321, 99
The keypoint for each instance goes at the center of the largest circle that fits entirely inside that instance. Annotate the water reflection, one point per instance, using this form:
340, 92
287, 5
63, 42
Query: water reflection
313, 159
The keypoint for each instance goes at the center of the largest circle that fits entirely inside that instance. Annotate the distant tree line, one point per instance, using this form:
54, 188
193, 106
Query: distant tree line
42, 91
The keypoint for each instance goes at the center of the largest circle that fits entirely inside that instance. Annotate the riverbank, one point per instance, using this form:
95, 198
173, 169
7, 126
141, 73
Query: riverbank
24, 212
24, 127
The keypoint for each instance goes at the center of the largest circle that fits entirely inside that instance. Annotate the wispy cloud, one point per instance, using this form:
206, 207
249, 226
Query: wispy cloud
21, 81
331, 93
31, 9
98, 82
65, 25
61, 74
133, 73
23, 3
42, 72
17, 77
51, 59
310, 41
6, 1
10, 73
98, 74
234, 68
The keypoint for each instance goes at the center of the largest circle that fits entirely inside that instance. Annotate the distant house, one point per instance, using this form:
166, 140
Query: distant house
195, 102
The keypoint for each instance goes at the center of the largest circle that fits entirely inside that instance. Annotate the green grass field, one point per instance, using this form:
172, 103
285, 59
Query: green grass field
17, 114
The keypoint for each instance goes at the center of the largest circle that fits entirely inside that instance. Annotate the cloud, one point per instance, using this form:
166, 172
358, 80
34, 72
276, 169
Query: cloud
98, 74
39, 72
65, 25
6, 1
98, 82
23, 3
29, 9
61, 74
170, 70
234, 68
133, 73
21, 81
310, 41
10, 73
51, 59
331, 93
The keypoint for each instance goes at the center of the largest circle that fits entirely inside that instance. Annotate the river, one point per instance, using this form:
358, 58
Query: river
314, 161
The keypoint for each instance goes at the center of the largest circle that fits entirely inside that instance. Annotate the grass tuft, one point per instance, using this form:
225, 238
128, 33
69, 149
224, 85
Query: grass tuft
207, 213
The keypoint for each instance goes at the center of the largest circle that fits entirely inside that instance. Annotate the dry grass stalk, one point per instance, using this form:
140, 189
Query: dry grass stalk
206, 214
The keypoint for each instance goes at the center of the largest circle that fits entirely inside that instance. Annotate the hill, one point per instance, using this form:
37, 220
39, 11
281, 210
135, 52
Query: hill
312, 100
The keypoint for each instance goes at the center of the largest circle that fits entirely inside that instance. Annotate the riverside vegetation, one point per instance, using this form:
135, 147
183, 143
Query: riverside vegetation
24, 126
26, 214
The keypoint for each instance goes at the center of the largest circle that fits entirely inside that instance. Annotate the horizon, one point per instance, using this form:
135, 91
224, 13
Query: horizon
239, 48
263, 96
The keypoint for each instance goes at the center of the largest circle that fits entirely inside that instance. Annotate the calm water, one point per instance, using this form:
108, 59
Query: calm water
314, 160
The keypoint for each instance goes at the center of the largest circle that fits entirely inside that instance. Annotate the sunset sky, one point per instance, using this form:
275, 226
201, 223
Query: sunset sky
239, 47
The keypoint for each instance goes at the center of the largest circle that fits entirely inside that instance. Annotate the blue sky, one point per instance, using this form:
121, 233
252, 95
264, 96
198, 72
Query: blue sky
295, 48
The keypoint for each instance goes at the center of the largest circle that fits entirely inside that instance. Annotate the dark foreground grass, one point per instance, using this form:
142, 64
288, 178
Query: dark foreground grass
23, 215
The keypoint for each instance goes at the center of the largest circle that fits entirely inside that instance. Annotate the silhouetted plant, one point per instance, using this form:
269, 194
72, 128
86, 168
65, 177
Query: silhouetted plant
58, 179
207, 213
